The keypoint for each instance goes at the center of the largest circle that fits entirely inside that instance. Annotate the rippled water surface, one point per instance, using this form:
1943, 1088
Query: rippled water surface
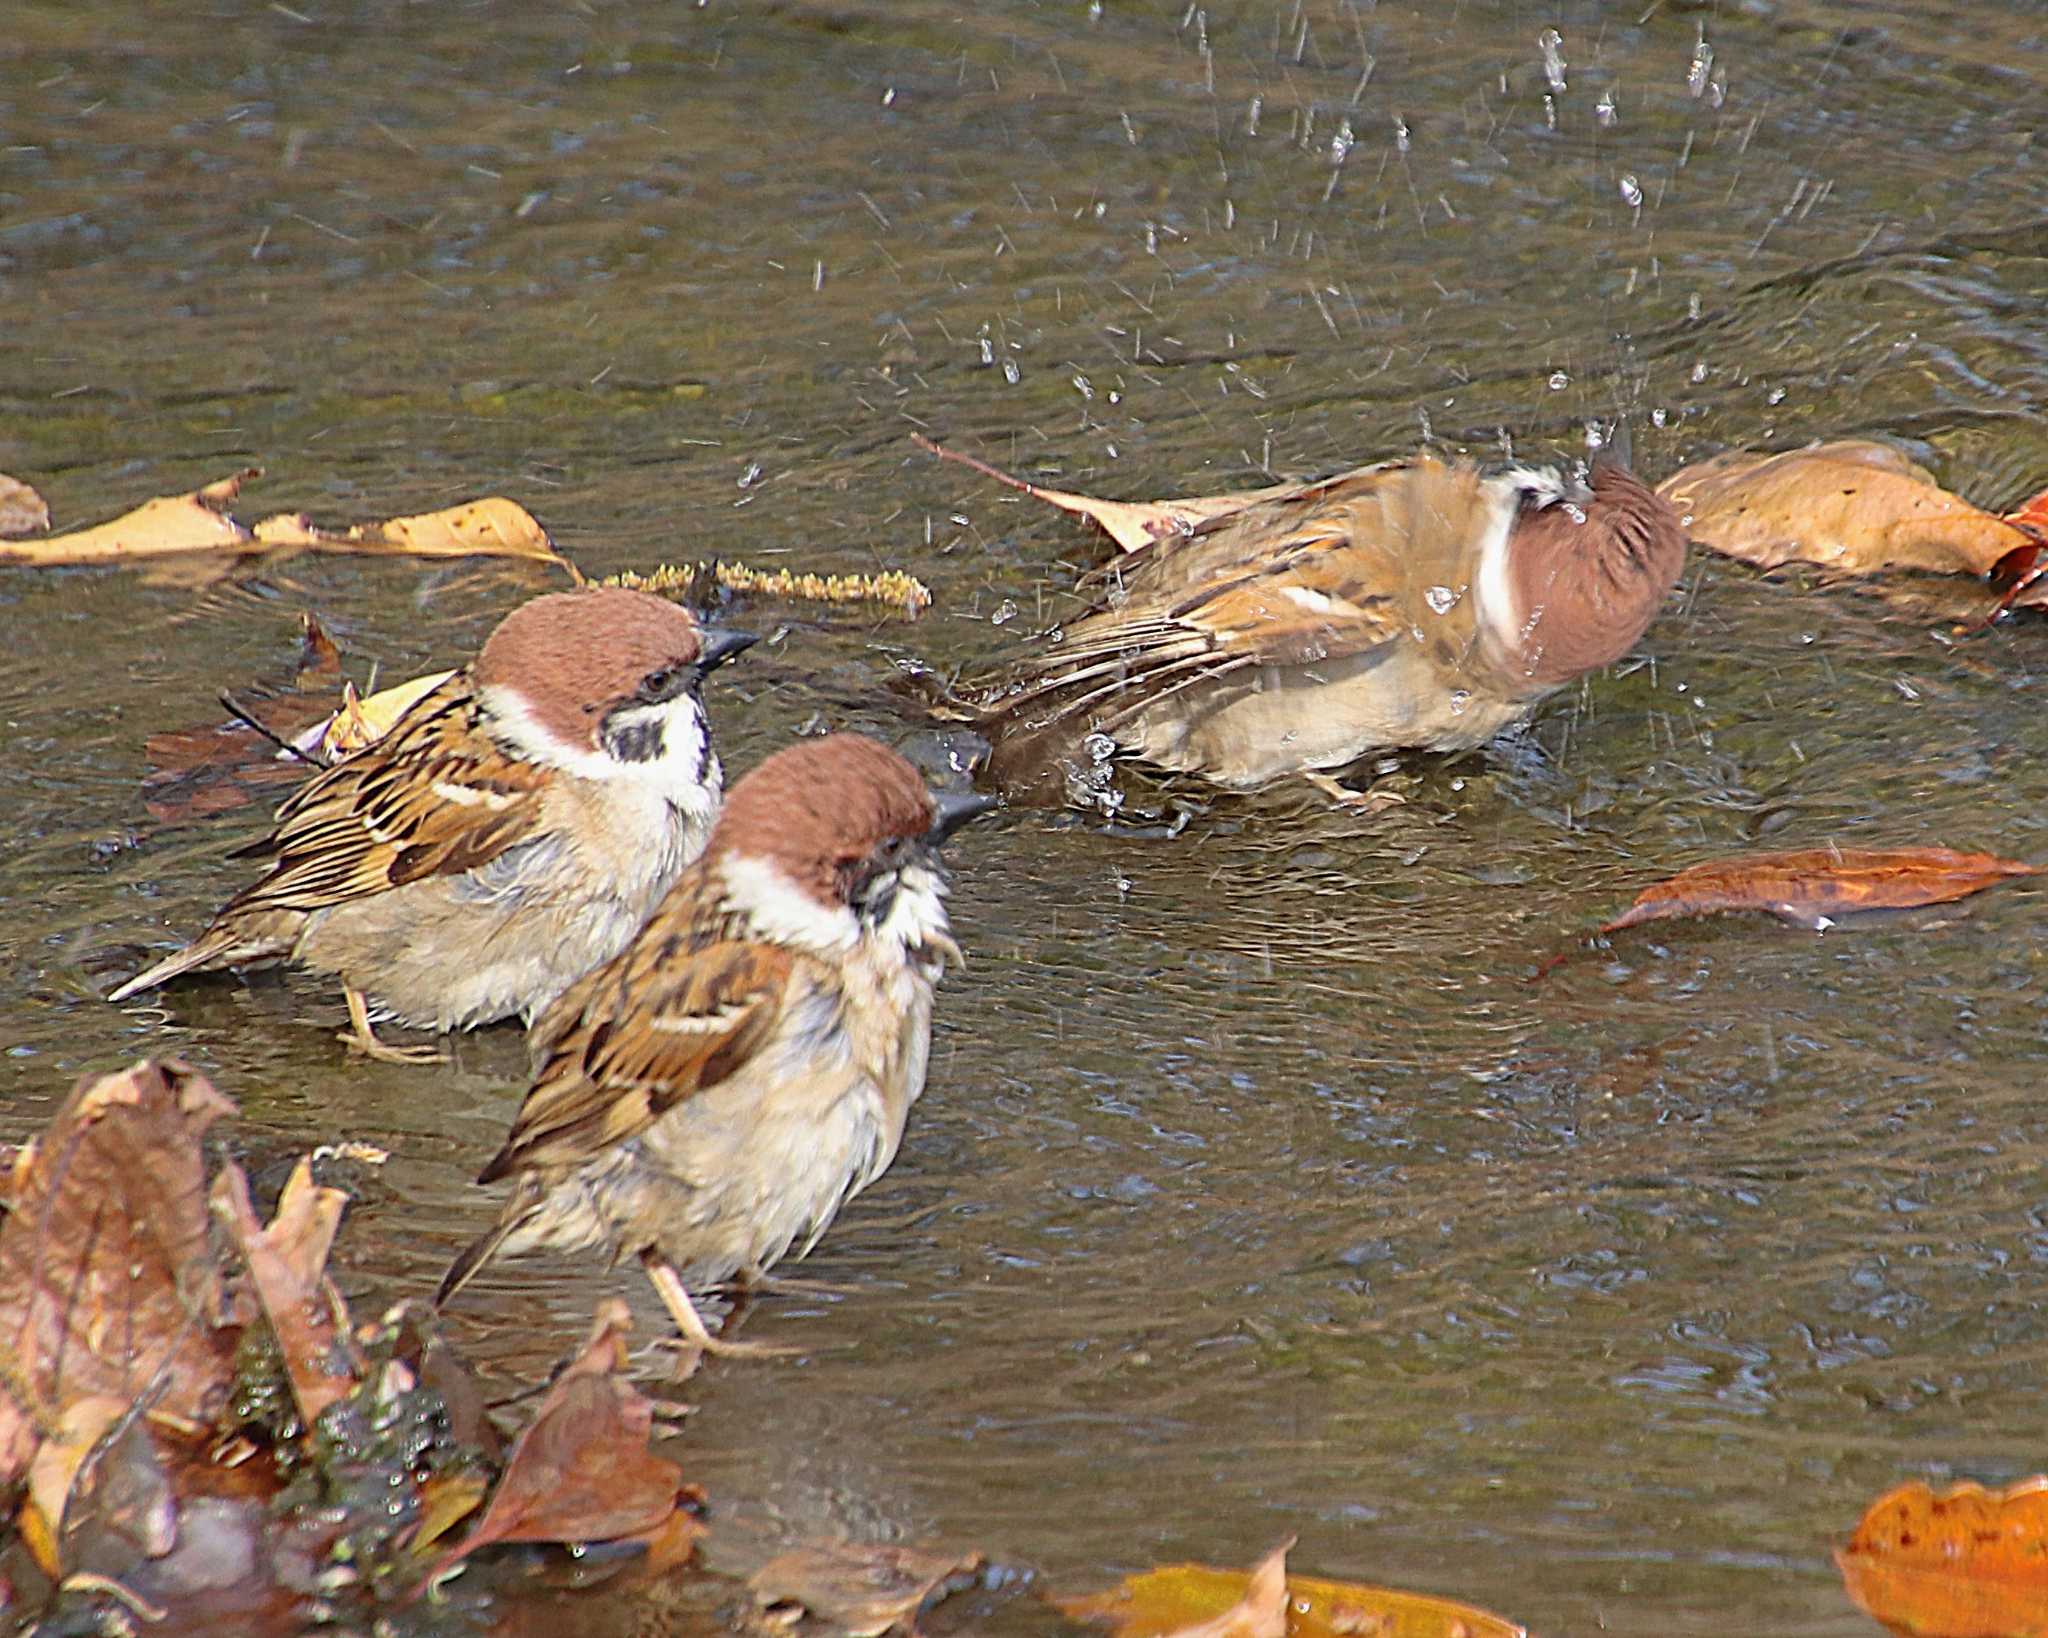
1256, 1192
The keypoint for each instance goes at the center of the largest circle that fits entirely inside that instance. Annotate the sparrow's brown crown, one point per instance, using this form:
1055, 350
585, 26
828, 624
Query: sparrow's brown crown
821, 806
574, 656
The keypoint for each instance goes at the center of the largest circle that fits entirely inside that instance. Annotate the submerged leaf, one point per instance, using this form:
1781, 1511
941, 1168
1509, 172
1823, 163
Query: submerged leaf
1186, 1600
1968, 1563
1854, 506
1810, 886
860, 1589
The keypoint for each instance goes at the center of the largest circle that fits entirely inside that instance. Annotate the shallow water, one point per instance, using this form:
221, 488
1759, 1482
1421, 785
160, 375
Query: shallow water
1256, 1192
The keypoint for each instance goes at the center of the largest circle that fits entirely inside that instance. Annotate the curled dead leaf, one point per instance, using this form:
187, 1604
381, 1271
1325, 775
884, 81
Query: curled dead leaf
200, 522
1853, 506
1967, 1563
287, 1262
1133, 525
1195, 1601
360, 721
107, 1281
22, 510
582, 1470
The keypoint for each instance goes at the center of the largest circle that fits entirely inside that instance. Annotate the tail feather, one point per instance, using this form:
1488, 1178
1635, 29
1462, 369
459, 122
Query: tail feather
198, 954
519, 1211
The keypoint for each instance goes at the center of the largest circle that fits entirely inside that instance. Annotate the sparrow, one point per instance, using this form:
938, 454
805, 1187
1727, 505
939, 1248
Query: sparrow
1415, 603
510, 832
709, 1098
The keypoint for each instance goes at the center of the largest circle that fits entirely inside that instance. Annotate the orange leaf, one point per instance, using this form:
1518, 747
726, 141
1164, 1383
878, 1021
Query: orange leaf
2031, 513
1181, 1600
1854, 507
1811, 886
860, 1589
1969, 1563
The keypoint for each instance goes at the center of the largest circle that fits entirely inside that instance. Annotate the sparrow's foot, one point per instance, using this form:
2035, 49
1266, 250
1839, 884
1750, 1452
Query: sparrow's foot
783, 1285
1375, 799
362, 1038
668, 1285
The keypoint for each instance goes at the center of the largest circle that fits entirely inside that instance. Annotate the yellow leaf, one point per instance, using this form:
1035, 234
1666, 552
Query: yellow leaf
1180, 1600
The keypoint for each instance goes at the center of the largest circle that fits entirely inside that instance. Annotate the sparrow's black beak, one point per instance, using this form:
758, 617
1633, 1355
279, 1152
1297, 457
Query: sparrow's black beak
718, 645
955, 809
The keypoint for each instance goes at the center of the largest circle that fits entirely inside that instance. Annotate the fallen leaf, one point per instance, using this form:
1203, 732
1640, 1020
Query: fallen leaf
287, 1263
2031, 513
83, 1424
860, 1589
1186, 1600
582, 1470
1968, 1563
362, 722
22, 510
196, 772
107, 1282
1133, 525
201, 522
1854, 507
1811, 886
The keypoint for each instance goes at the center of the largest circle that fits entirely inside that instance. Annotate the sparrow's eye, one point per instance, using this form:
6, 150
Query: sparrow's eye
661, 685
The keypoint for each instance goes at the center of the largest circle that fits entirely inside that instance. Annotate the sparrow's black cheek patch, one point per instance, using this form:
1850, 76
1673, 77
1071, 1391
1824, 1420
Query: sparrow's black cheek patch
640, 740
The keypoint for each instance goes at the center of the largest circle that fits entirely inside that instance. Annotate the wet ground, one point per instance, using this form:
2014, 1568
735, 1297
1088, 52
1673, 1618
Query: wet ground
1255, 1193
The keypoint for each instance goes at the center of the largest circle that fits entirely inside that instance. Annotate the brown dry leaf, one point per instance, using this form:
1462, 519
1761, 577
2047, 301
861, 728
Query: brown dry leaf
1969, 1563
1855, 507
22, 510
107, 1283
582, 1470
491, 527
287, 1262
56, 1465
1133, 525
198, 522
201, 522
1811, 886
197, 772
1184, 1600
860, 1590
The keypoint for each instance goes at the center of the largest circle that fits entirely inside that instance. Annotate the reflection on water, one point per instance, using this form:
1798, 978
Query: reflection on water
1257, 1192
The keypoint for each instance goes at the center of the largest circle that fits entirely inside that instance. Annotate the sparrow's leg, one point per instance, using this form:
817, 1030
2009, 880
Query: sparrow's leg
361, 1038
668, 1285
1372, 800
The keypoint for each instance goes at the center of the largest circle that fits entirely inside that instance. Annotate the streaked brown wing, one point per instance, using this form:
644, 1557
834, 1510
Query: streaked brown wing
436, 796
680, 1009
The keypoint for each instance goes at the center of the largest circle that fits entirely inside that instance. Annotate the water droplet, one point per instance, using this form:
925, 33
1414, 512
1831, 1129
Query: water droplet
752, 472
1006, 611
1084, 386
1631, 191
1658, 418
1400, 135
1011, 373
1340, 144
1551, 44
1441, 599
988, 351
1604, 110
1100, 747
1699, 372
1696, 75
1251, 116
1775, 396
1559, 381
1460, 700
889, 97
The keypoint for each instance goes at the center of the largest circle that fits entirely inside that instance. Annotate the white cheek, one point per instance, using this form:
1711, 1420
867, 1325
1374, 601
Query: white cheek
686, 773
1496, 591
917, 915
782, 913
